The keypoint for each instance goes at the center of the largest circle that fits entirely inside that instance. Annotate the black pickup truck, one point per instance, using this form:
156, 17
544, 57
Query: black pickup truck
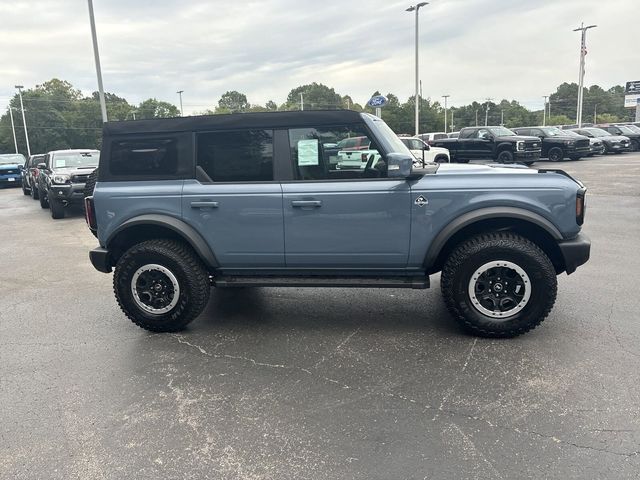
557, 144
497, 143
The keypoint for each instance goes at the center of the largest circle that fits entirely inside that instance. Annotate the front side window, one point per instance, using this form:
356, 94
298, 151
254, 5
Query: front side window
468, 133
335, 153
237, 156
146, 157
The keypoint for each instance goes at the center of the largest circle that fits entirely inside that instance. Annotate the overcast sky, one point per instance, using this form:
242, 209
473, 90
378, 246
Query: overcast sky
469, 49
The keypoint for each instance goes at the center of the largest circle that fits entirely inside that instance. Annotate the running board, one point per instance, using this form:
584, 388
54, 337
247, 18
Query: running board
418, 282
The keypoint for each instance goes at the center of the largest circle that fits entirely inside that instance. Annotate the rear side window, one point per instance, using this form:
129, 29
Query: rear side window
145, 157
438, 136
237, 156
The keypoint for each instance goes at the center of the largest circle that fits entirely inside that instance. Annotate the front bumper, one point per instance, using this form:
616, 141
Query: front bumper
529, 155
11, 180
575, 252
618, 147
68, 193
578, 151
100, 259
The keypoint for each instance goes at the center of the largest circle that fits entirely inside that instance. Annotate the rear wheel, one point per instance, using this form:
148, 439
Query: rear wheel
556, 154
161, 285
499, 285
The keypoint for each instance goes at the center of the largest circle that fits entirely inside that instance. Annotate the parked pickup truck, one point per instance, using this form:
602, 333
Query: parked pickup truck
497, 143
250, 200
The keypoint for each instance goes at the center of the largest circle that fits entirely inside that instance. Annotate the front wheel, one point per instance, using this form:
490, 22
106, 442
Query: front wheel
161, 285
34, 192
44, 201
556, 154
57, 209
505, 156
635, 145
499, 285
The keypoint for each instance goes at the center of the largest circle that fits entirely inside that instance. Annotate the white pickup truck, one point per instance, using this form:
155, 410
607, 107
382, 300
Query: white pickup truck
425, 152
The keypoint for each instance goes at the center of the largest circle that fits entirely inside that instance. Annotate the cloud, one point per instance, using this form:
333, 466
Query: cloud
470, 49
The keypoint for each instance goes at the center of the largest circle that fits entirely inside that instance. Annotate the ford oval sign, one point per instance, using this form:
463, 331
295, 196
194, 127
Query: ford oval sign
377, 101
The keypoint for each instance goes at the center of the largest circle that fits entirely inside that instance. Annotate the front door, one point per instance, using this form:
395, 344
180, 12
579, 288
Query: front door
339, 218
234, 202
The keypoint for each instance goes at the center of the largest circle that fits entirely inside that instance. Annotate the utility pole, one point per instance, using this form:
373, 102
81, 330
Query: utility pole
486, 113
94, 37
301, 101
452, 124
445, 112
583, 52
476, 117
13, 127
416, 8
24, 121
595, 113
544, 111
179, 92
502, 117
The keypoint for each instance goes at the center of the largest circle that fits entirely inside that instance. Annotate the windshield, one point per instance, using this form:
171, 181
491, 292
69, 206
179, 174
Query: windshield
633, 128
625, 129
553, 131
393, 142
76, 159
501, 132
12, 159
598, 132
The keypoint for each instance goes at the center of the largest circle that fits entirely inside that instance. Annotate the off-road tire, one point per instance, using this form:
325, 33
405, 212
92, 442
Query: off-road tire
57, 209
25, 191
505, 156
90, 184
183, 263
441, 159
635, 145
556, 154
34, 192
470, 255
44, 201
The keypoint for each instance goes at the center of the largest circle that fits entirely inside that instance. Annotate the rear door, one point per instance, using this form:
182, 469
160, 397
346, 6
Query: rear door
342, 218
234, 201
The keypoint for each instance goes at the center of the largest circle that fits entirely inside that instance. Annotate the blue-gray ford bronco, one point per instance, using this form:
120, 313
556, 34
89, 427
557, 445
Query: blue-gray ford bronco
262, 199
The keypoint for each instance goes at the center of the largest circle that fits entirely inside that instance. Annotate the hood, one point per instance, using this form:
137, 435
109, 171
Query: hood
510, 138
10, 166
75, 170
614, 138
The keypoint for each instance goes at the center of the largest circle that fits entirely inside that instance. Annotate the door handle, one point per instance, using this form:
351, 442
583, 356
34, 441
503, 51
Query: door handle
204, 204
306, 203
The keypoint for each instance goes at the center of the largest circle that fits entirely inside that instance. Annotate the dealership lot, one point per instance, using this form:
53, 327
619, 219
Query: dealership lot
318, 383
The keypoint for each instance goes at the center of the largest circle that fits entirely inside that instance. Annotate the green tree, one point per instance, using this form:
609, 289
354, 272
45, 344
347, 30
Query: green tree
316, 97
152, 108
232, 101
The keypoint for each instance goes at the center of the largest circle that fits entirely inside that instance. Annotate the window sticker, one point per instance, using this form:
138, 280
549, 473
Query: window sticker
308, 152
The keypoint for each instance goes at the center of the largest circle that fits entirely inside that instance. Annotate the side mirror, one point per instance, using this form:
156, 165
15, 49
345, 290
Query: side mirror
426, 147
399, 165
41, 166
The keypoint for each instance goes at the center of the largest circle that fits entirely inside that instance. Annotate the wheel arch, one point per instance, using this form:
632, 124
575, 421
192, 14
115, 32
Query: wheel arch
148, 227
526, 223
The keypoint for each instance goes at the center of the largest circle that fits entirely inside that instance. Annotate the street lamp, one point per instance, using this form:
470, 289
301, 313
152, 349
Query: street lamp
544, 110
24, 121
445, 111
94, 37
416, 8
583, 52
179, 92
13, 127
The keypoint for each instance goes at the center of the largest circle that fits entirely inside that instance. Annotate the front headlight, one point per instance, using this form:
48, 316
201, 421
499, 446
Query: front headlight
569, 142
60, 179
520, 145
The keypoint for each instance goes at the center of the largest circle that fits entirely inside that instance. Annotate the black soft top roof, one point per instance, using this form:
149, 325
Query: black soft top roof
234, 121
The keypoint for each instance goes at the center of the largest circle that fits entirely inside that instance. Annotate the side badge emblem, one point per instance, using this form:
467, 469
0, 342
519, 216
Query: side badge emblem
421, 201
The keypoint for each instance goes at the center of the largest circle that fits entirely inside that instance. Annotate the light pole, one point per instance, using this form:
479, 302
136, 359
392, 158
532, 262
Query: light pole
179, 92
445, 111
13, 127
486, 113
24, 121
583, 52
544, 110
416, 8
301, 101
94, 37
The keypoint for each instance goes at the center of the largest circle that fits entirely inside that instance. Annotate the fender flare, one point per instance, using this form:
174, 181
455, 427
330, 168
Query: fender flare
469, 218
181, 228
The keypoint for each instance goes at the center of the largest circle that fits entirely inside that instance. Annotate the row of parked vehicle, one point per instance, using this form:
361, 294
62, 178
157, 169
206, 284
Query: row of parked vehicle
57, 179
522, 144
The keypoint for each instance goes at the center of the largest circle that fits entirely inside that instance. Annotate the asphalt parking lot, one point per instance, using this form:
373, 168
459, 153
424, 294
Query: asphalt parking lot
274, 383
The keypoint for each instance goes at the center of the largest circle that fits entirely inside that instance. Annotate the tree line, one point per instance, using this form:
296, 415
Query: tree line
59, 116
